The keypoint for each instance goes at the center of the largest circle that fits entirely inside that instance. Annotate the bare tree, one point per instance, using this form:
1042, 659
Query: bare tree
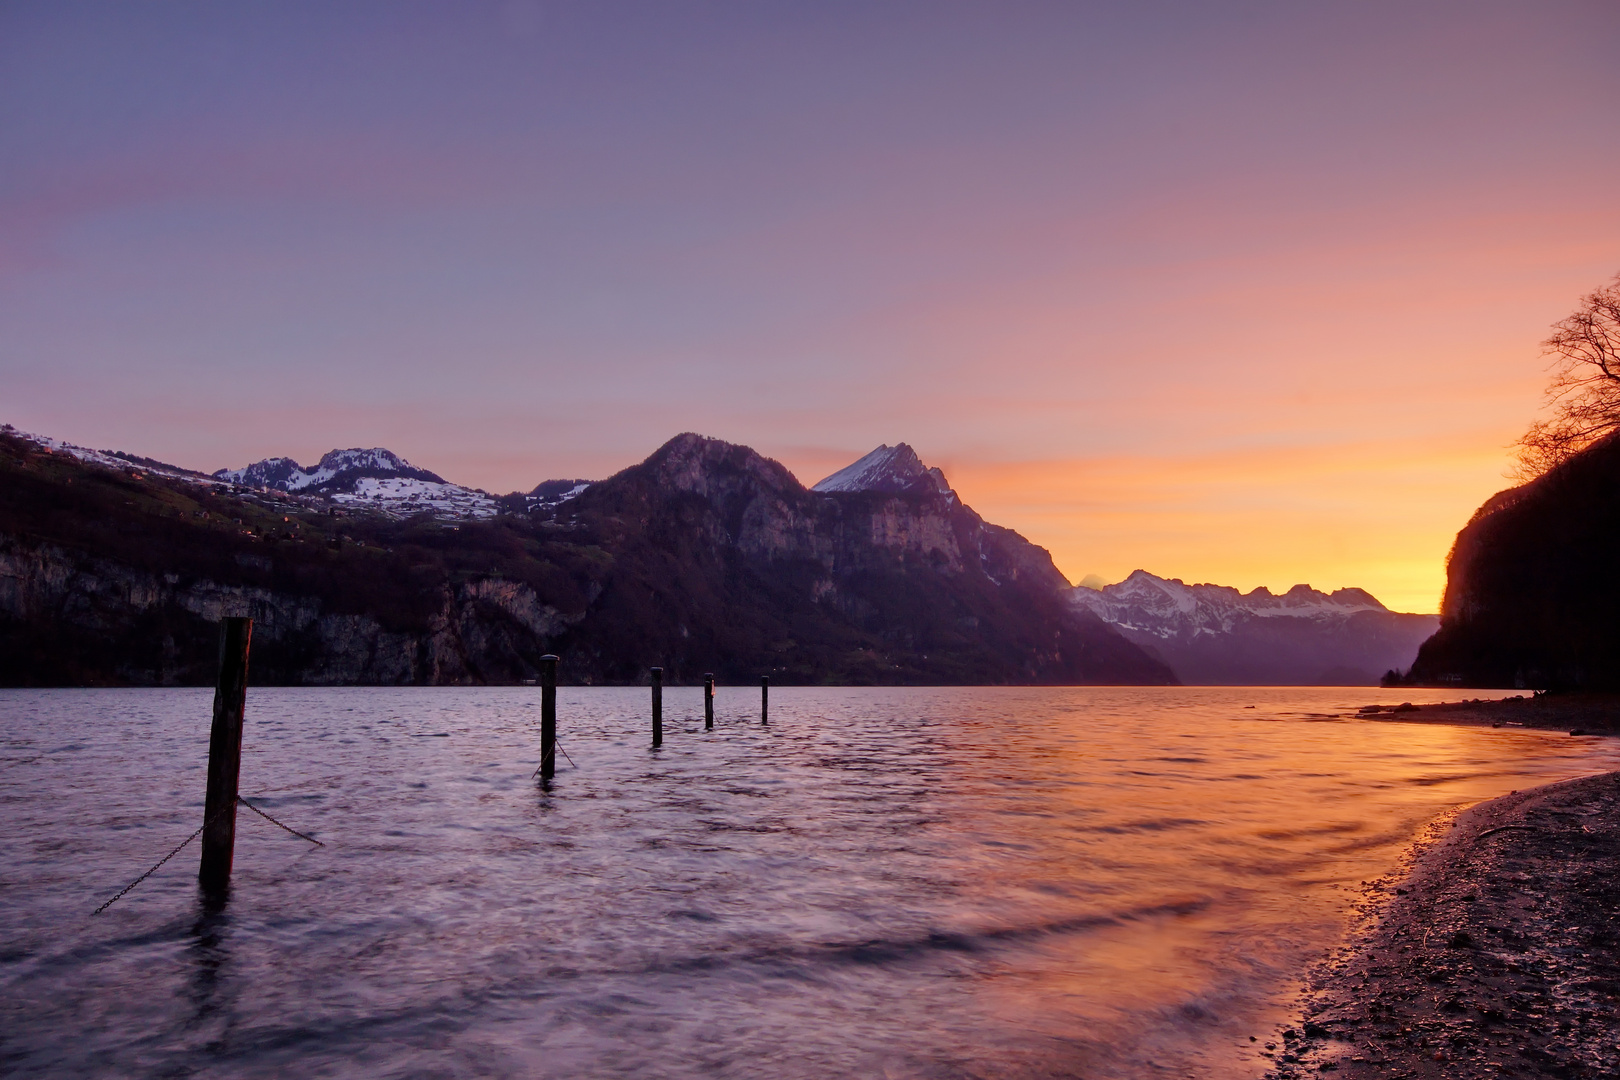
1584, 390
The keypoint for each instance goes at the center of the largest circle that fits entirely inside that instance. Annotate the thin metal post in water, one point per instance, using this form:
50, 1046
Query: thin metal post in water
225, 756
708, 700
658, 706
764, 699
548, 716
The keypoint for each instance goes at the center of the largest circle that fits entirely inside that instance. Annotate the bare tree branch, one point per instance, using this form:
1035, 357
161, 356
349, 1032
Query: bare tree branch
1583, 391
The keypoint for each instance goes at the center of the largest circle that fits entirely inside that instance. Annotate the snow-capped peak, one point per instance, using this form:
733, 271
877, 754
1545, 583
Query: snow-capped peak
344, 467
371, 478
888, 468
1170, 606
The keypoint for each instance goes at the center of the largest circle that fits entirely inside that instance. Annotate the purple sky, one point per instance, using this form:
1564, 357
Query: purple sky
1201, 288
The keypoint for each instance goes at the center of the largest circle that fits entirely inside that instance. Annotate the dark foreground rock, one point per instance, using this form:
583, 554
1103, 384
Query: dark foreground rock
1498, 957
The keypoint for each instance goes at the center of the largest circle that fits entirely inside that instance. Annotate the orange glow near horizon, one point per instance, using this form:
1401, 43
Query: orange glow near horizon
1379, 517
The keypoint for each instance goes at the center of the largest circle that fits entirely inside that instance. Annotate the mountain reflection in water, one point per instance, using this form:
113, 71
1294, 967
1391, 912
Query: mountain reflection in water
1096, 882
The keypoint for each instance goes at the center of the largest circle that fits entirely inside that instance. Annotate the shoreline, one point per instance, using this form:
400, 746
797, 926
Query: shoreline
1579, 714
1498, 953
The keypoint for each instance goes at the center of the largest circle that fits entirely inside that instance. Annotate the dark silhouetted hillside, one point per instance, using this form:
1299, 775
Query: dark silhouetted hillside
1533, 585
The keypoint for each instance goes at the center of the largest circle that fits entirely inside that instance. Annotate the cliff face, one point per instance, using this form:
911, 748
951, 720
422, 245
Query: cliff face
1533, 585
72, 617
706, 557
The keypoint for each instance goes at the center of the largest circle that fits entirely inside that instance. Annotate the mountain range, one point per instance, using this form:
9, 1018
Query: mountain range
705, 557
1214, 634
373, 479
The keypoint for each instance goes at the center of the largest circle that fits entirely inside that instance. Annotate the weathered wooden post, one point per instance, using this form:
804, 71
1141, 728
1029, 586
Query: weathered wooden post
548, 716
764, 699
225, 756
708, 700
658, 706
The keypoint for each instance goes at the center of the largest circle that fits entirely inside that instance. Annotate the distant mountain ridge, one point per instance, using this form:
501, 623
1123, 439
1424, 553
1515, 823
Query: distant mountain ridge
336, 471
879, 559
1215, 634
371, 477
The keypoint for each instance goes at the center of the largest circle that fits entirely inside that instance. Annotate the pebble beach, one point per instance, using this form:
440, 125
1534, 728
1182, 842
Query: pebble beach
1497, 955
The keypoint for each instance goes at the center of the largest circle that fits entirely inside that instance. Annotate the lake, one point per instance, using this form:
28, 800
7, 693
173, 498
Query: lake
959, 882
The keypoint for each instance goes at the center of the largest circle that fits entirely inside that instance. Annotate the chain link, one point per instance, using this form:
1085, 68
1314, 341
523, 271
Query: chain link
558, 744
160, 862
273, 821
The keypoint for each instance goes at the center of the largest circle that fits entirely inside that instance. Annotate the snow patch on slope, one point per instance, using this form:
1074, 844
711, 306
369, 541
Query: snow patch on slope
550, 494
403, 496
114, 460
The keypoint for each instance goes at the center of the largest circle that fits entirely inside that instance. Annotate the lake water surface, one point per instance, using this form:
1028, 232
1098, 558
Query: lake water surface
1092, 882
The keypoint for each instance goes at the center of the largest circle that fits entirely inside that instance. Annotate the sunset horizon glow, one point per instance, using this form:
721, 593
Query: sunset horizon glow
1251, 297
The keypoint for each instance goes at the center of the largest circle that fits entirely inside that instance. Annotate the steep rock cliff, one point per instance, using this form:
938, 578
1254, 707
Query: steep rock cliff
72, 617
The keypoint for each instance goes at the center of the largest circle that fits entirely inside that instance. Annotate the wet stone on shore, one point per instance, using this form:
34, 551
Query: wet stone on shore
1498, 957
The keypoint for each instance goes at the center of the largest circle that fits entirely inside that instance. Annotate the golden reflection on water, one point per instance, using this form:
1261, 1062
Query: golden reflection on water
1225, 846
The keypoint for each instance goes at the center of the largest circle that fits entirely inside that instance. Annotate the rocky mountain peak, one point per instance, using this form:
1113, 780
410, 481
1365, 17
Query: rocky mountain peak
887, 469
699, 464
337, 470
375, 457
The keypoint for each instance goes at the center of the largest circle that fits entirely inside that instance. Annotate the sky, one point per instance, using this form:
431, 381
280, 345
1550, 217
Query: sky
1249, 293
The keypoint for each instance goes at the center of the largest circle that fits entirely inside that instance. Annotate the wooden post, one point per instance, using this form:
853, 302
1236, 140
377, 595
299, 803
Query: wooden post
764, 699
548, 716
708, 700
225, 756
658, 706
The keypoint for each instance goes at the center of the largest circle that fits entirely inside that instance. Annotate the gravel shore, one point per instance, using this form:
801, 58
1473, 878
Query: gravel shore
1498, 956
